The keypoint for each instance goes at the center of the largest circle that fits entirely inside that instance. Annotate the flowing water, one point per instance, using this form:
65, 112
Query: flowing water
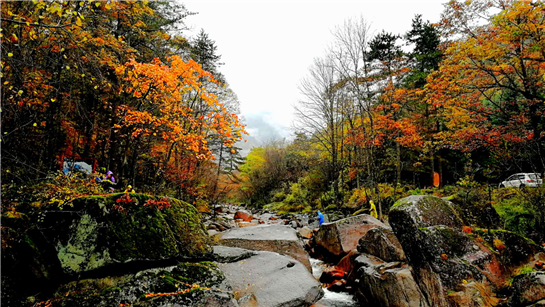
331, 299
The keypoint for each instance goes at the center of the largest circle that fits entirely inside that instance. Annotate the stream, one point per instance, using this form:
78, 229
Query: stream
331, 299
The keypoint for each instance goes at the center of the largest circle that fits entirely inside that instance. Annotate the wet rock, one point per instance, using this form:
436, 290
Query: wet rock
274, 238
346, 264
381, 242
244, 215
274, 279
386, 283
337, 286
342, 236
331, 274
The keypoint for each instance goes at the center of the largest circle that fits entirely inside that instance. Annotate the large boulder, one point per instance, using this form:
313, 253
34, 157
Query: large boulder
187, 284
274, 238
96, 236
386, 284
342, 236
445, 254
269, 279
98, 232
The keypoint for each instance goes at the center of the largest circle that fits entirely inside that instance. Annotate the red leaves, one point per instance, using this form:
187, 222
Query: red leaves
158, 204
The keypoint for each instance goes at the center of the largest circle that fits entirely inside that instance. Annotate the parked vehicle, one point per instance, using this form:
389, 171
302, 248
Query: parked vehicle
520, 180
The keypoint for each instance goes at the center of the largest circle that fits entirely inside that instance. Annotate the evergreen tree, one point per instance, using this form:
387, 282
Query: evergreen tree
426, 54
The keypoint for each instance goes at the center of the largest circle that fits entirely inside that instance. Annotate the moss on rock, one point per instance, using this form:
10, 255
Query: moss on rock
187, 284
98, 231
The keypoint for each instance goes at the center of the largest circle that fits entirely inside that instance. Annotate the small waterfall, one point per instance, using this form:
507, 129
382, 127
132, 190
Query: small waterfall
331, 299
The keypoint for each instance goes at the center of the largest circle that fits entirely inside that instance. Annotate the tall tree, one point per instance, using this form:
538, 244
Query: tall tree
319, 115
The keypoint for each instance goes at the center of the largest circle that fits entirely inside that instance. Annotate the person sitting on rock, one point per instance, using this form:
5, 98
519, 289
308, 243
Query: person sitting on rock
109, 181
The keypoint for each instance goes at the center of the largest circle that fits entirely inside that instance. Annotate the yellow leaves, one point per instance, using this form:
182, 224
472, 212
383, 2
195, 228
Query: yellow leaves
78, 22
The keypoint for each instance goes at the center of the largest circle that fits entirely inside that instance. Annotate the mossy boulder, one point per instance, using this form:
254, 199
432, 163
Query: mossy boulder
446, 254
424, 211
97, 232
95, 236
187, 284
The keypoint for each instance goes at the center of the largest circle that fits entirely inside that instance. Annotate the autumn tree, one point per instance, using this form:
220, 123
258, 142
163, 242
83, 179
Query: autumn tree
490, 85
356, 82
106, 80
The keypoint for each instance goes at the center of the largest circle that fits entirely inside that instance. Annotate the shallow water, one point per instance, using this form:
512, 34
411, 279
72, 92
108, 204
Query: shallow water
331, 299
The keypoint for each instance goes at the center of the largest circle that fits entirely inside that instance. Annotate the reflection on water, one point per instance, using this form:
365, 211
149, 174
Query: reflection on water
330, 299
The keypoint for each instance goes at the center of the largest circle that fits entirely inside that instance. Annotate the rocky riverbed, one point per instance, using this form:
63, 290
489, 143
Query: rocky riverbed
425, 254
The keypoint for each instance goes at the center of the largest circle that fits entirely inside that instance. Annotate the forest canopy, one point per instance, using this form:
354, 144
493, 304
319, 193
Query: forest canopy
116, 83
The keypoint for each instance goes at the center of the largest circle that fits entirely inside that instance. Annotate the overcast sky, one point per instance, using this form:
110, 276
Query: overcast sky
268, 46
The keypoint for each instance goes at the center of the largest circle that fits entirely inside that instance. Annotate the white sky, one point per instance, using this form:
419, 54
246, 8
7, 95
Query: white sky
268, 46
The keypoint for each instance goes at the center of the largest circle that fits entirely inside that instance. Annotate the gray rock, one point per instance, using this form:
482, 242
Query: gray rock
187, 284
275, 238
444, 255
425, 211
381, 242
224, 254
414, 220
384, 284
274, 279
